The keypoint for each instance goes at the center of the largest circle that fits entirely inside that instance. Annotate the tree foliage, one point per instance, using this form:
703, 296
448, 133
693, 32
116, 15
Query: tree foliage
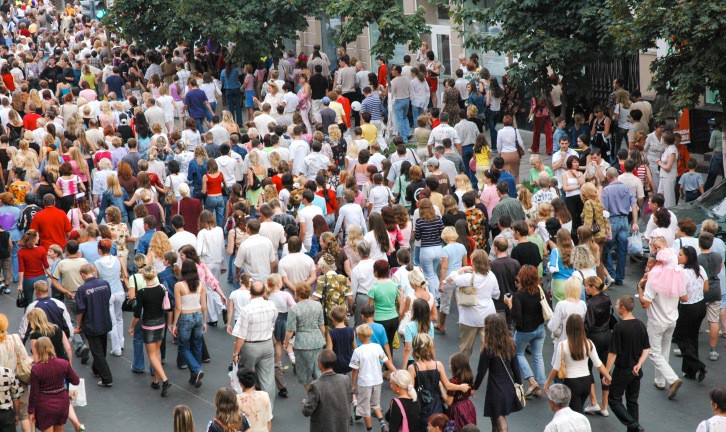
149, 23
394, 25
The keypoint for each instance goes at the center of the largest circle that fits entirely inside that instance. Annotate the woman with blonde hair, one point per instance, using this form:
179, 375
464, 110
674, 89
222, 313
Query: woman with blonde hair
39, 326
114, 195
106, 118
52, 163
158, 246
351, 156
11, 350
80, 166
585, 238
525, 198
462, 185
119, 233
453, 258
355, 236
572, 304
338, 145
560, 265
228, 122
592, 214
405, 411
256, 170
183, 421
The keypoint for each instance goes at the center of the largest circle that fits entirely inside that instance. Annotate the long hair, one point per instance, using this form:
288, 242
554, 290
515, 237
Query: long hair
227, 409
189, 275
497, 339
331, 244
183, 421
462, 231
461, 369
378, 226
421, 314
528, 279
565, 246
577, 341
38, 321
113, 185
159, 244
692, 260
560, 210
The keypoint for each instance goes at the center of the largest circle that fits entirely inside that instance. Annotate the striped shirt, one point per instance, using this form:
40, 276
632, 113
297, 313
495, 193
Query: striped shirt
372, 104
429, 232
9, 388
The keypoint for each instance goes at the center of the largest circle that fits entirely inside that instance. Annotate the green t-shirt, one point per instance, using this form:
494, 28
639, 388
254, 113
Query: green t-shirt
384, 296
538, 241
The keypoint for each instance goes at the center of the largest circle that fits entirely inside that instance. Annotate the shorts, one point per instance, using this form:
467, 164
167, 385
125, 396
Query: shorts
6, 266
156, 334
24, 402
249, 96
712, 310
369, 398
280, 327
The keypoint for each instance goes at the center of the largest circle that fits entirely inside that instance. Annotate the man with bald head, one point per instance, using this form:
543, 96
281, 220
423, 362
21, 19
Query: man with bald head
618, 199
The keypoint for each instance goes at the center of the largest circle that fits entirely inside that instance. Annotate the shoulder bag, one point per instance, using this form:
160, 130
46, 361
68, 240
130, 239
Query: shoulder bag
467, 295
21, 301
562, 371
24, 363
595, 226
405, 319
520, 148
546, 309
518, 388
404, 423
170, 197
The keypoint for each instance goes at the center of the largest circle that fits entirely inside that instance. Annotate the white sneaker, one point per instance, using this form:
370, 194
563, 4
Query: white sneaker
677, 352
592, 409
604, 413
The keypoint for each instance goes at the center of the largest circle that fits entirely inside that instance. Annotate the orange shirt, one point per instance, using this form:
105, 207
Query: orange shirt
683, 156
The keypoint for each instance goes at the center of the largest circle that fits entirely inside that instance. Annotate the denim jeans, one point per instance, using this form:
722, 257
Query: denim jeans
430, 260
467, 152
400, 109
190, 339
620, 230
535, 340
230, 270
416, 112
138, 363
715, 169
215, 204
14, 261
28, 287
492, 117
234, 103
200, 124
416, 255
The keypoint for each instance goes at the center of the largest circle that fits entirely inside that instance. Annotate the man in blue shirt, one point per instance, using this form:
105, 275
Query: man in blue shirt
619, 201
94, 320
196, 103
115, 84
232, 89
505, 176
145, 240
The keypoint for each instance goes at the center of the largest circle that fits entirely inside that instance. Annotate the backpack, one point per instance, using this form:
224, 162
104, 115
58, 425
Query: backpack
256, 184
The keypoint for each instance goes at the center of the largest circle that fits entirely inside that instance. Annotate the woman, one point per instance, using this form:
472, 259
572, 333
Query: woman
450, 101
621, 114
452, 213
273, 97
571, 305
329, 245
39, 327
597, 328
109, 268
119, 234
355, 236
572, 181
383, 296
537, 167
190, 134
559, 210
378, 237
574, 353
257, 172
486, 287
151, 304
489, 195
12, 348
498, 358
508, 141
592, 215
115, 196
215, 296
691, 314
433, 70
227, 417
210, 244
213, 187
253, 404
304, 103
668, 170
420, 93
306, 321
190, 310
440, 423
428, 375
601, 132
526, 311
494, 100
189, 208
453, 257
68, 186
32, 264
49, 401
235, 237
427, 230
404, 412
525, 199
419, 321
158, 247
560, 265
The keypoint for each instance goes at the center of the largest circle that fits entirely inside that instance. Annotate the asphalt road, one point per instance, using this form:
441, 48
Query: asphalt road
132, 406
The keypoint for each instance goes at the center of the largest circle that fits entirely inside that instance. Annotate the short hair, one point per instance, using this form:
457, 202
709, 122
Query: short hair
629, 165
691, 164
303, 290
657, 199
687, 226
294, 245
48, 200
367, 311
40, 286
364, 332
628, 302
72, 247
521, 228
705, 240
150, 220
87, 269
327, 358
718, 396
501, 244
559, 395
364, 249
503, 188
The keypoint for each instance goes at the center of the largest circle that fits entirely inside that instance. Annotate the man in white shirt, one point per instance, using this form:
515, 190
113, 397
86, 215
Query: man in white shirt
305, 218
279, 149
296, 266
182, 237
595, 165
351, 214
262, 120
631, 180
362, 279
227, 163
155, 114
559, 159
377, 157
5, 111
271, 229
443, 130
565, 419
94, 134
656, 201
299, 148
361, 75
445, 165
221, 135
256, 255
315, 161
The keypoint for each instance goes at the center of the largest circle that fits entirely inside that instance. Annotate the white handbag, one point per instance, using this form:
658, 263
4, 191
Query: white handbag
467, 295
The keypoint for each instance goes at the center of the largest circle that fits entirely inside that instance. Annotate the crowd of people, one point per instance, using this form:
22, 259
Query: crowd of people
139, 182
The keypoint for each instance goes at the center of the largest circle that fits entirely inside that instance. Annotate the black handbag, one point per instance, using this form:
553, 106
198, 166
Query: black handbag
21, 301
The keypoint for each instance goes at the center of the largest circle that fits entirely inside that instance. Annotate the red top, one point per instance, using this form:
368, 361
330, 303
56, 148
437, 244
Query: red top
277, 181
214, 184
346, 108
382, 75
331, 203
33, 262
683, 156
435, 123
103, 154
9, 82
30, 121
189, 209
52, 225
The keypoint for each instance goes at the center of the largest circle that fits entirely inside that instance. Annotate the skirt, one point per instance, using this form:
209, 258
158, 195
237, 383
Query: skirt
153, 330
462, 413
306, 365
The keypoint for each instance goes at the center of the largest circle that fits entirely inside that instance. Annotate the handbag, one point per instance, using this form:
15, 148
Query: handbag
595, 226
518, 388
24, 363
129, 305
77, 393
562, 371
21, 301
546, 309
404, 422
520, 149
404, 320
170, 197
467, 295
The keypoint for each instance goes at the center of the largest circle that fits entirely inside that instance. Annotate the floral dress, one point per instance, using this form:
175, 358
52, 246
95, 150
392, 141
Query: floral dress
257, 408
476, 221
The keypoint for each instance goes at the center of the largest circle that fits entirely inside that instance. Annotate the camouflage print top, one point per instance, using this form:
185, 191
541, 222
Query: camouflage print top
333, 289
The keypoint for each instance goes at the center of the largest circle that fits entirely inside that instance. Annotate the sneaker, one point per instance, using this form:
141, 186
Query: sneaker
592, 409
84, 354
6, 290
673, 391
385, 427
198, 379
155, 385
282, 393
605, 413
186, 366
165, 388
677, 352
116, 353
713, 355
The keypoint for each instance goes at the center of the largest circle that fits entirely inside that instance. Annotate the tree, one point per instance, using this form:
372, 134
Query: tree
694, 31
565, 35
149, 23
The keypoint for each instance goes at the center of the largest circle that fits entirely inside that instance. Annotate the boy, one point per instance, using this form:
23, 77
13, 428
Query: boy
712, 263
379, 332
691, 183
367, 377
561, 123
6, 252
341, 340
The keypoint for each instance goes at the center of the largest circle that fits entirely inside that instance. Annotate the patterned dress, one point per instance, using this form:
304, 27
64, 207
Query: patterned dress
477, 227
333, 289
305, 319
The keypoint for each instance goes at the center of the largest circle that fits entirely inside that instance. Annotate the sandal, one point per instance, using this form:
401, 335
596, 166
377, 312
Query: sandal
441, 330
533, 391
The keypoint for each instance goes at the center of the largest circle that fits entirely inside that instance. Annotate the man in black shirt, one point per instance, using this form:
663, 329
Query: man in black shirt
318, 88
505, 269
525, 252
629, 348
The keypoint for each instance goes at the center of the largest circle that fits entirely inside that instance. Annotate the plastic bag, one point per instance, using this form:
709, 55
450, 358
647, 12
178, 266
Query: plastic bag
78, 394
233, 380
635, 244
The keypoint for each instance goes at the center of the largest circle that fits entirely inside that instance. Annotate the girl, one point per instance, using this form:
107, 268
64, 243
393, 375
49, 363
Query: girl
597, 328
560, 265
463, 185
158, 246
560, 211
489, 195
525, 198
571, 305
453, 257
420, 322
460, 408
283, 301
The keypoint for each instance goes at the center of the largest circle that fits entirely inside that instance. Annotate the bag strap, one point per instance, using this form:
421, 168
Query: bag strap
403, 413
507, 369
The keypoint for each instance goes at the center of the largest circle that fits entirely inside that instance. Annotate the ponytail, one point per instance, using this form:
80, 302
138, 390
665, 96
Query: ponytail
403, 379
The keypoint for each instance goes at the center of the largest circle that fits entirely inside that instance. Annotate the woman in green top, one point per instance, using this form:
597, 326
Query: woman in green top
382, 296
306, 321
537, 167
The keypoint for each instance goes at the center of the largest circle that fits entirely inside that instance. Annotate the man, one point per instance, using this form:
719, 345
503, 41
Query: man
641, 105
329, 397
461, 83
155, 114
656, 201
318, 88
10, 391
181, 237
619, 200
401, 92
632, 181
345, 77
305, 218
506, 206
262, 120
296, 266
505, 176
525, 251
402, 155
350, 214
467, 131
228, 164
94, 134
376, 159
256, 255
221, 135
636, 125
51, 223
559, 159
253, 346
372, 105
150, 226
361, 75
94, 320
328, 116
442, 179
68, 270
368, 132
565, 419
271, 229
362, 279
505, 269
450, 155
629, 348
299, 149
443, 130
316, 59
196, 104
315, 161
653, 150
595, 165
545, 192
132, 157
54, 309
115, 83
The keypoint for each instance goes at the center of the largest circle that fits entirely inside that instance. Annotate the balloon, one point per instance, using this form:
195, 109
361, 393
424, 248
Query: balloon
7, 221
356, 106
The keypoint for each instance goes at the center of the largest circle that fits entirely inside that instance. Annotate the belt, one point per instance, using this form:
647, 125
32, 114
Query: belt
260, 341
53, 391
622, 215
363, 294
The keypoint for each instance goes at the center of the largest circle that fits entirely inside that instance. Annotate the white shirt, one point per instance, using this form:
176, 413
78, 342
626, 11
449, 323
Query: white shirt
367, 358
673, 227
228, 167
507, 140
448, 168
717, 423
240, 297
556, 157
221, 135
256, 321
181, 239
352, 215
296, 267
261, 121
362, 277
313, 163
291, 100
376, 252
306, 215
298, 149
379, 197
442, 131
254, 256
663, 310
283, 153
566, 420
273, 231
575, 368
487, 290
634, 183
376, 160
210, 246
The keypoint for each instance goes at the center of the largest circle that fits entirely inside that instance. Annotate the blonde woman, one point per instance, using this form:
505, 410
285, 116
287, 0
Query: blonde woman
158, 246
167, 103
403, 406
560, 264
80, 166
155, 165
256, 170
100, 181
11, 347
119, 234
351, 156
525, 198
53, 163
355, 236
106, 118
228, 123
570, 305
620, 115
273, 96
453, 257
462, 185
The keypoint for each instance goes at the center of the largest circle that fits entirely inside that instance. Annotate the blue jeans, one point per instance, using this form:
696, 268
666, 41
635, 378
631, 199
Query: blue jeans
216, 204
492, 117
715, 169
467, 152
535, 340
400, 110
416, 112
14, 261
234, 103
416, 255
138, 363
620, 230
189, 334
430, 260
200, 124
211, 113
28, 287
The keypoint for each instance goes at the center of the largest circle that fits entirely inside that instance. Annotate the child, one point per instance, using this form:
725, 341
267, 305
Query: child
19, 187
55, 254
665, 271
238, 299
6, 253
379, 332
712, 262
461, 409
341, 339
691, 182
283, 301
560, 131
482, 155
367, 377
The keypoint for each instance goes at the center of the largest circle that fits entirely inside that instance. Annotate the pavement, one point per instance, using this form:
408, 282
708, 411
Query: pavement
132, 406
